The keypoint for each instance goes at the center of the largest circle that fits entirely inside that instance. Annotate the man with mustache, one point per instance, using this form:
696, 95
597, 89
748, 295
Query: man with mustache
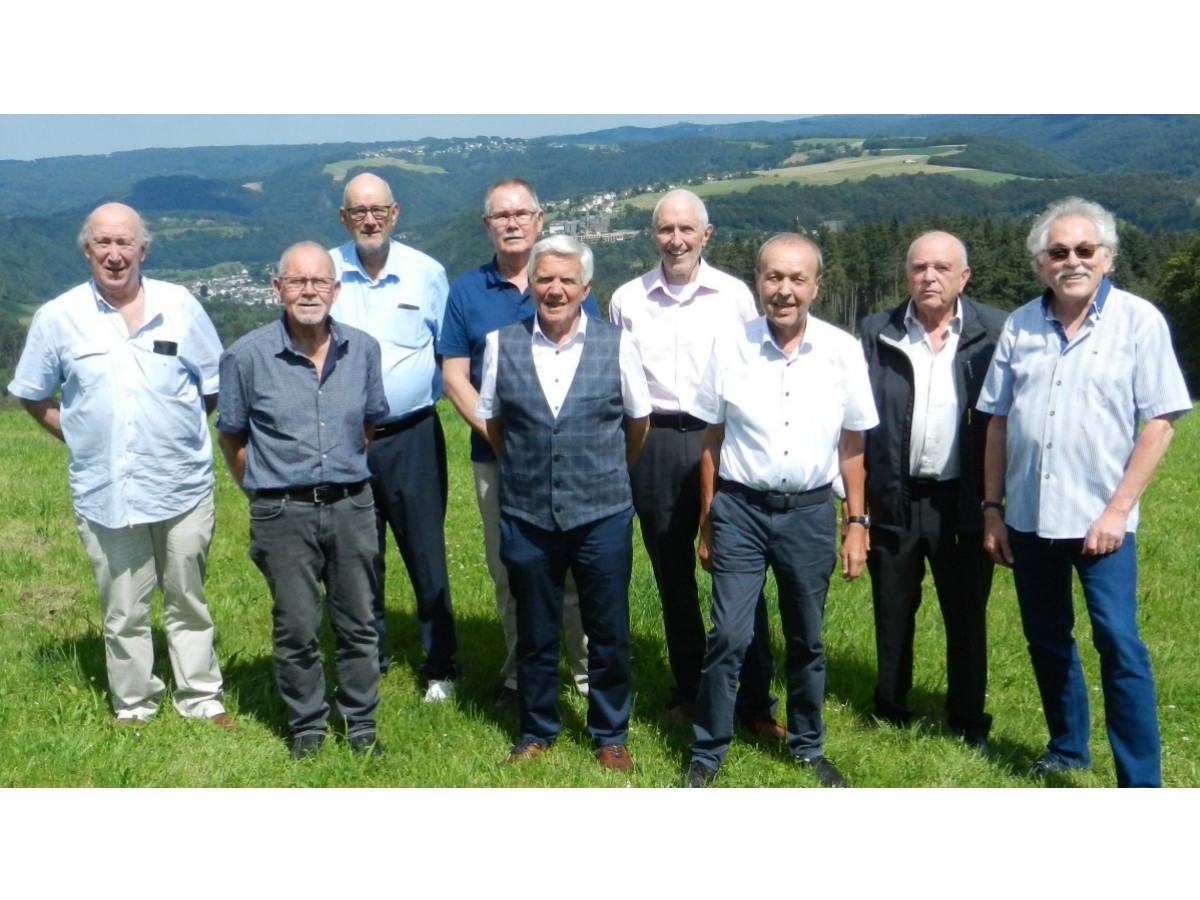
398, 296
787, 401
927, 359
1076, 372
675, 312
303, 394
136, 361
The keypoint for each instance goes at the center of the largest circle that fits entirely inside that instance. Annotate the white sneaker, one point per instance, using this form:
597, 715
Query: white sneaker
439, 691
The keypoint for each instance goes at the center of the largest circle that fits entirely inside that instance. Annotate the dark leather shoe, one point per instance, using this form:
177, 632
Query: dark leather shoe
307, 744
365, 742
506, 699
827, 773
698, 775
682, 712
615, 756
224, 722
527, 750
977, 741
765, 730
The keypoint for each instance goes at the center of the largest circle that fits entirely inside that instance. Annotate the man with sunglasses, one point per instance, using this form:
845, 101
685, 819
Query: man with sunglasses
481, 301
398, 296
299, 400
1075, 373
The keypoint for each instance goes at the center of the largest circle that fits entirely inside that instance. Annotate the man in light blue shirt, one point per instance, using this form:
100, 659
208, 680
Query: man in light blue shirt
398, 296
1076, 371
136, 363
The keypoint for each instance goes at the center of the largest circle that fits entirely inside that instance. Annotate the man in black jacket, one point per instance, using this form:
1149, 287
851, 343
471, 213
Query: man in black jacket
927, 360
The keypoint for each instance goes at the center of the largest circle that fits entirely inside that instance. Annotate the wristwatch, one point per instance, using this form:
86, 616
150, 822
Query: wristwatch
864, 521
992, 504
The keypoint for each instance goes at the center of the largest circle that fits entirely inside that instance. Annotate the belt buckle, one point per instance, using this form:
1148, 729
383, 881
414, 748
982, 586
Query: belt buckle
324, 493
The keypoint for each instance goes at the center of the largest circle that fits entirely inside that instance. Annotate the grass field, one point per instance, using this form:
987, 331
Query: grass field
55, 716
337, 170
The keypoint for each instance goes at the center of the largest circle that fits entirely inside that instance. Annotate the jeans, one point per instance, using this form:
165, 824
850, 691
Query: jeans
298, 546
1042, 576
799, 546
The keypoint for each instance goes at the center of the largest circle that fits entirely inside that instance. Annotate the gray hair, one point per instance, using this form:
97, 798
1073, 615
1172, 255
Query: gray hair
563, 245
301, 245
85, 232
682, 194
789, 237
1101, 219
510, 182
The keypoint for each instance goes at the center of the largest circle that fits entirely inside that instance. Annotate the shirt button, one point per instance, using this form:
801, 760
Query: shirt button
785, 452
1047, 477
1051, 412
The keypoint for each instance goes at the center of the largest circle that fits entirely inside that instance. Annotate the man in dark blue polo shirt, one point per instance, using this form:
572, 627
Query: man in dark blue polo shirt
296, 408
484, 300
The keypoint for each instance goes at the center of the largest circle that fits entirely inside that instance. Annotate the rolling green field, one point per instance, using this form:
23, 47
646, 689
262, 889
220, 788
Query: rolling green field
337, 170
55, 718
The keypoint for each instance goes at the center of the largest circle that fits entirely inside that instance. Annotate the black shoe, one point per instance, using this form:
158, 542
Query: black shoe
827, 773
698, 775
365, 742
976, 740
507, 699
1051, 765
307, 743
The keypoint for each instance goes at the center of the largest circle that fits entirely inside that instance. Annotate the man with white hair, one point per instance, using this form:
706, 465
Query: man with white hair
1083, 391
675, 312
565, 403
136, 361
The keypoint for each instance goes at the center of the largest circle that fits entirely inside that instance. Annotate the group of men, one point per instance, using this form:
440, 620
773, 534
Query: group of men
952, 434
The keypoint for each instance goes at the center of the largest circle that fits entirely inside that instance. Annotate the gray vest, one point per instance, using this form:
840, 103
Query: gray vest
565, 472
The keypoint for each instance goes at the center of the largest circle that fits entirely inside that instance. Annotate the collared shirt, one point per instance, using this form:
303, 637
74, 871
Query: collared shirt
138, 447
556, 365
482, 301
675, 329
402, 309
1073, 406
933, 444
303, 429
784, 413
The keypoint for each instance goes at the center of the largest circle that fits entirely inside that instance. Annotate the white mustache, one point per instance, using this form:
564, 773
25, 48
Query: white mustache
1068, 273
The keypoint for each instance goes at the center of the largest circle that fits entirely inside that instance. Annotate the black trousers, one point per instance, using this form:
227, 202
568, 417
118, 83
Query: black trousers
666, 497
962, 577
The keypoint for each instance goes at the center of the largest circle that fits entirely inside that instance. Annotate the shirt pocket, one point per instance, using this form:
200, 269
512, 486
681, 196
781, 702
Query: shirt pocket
167, 375
407, 327
89, 366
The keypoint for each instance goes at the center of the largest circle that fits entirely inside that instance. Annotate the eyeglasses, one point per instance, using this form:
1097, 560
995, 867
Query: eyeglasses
521, 217
1083, 251
295, 285
358, 213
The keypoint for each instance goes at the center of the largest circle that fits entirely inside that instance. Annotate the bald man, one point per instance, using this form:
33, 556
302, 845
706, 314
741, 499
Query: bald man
136, 361
398, 296
927, 358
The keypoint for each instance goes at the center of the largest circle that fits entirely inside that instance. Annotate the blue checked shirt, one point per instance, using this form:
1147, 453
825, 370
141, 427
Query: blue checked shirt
1074, 407
303, 429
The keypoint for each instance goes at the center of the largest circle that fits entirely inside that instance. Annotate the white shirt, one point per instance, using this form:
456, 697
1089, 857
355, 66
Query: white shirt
556, 365
933, 441
675, 327
784, 414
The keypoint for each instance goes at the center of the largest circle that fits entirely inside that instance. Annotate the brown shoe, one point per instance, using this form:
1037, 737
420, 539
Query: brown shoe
527, 750
129, 722
765, 730
615, 756
224, 722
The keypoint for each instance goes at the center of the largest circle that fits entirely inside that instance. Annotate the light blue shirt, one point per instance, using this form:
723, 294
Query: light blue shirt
138, 447
1074, 406
403, 310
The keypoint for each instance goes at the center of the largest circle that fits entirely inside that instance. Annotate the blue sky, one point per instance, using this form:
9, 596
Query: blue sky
34, 136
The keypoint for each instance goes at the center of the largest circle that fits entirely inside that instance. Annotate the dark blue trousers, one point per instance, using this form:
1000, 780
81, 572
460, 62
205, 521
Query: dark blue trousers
410, 482
600, 556
799, 545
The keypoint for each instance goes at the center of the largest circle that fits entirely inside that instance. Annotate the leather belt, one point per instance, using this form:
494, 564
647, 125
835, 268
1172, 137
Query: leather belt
776, 501
315, 493
677, 422
387, 429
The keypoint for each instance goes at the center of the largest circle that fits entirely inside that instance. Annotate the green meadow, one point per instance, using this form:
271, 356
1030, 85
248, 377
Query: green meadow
55, 718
